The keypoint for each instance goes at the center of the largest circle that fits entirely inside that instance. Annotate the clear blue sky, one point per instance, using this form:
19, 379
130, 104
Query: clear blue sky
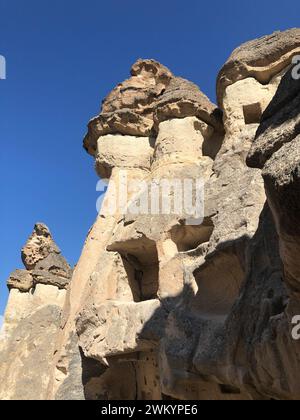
63, 57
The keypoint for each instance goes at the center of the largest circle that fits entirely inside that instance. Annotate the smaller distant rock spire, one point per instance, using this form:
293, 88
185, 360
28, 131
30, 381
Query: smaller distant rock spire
43, 262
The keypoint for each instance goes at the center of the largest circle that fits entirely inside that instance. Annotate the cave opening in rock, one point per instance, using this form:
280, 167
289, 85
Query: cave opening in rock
142, 266
189, 237
252, 113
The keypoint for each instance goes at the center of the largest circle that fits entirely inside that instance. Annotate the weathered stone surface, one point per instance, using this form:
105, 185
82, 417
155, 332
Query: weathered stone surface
118, 328
184, 99
32, 318
280, 122
163, 305
53, 270
282, 181
122, 152
129, 108
205, 276
38, 246
152, 95
262, 59
276, 151
148, 79
25, 363
21, 280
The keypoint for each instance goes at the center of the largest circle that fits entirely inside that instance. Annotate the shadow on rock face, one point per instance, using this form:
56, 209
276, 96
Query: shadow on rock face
280, 122
184, 351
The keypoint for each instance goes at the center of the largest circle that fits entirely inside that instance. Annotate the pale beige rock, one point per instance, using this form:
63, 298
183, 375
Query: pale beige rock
122, 152
129, 108
199, 266
32, 318
171, 146
245, 101
18, 307
84, 288
160, 307
262, 59
118, 328
25, 362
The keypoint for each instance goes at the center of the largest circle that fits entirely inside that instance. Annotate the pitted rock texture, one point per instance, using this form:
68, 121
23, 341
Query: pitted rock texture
32, 318
261, 59
163, 305
152, 94
276, 151
181, 99
21, 280
38, 246
128, 109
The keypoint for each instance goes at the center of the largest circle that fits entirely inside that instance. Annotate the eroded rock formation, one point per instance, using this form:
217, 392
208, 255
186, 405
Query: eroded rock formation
32, 318
163, 305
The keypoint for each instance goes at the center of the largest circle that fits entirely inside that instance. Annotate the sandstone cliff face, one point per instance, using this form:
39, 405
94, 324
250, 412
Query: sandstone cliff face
32, 318
162, 304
